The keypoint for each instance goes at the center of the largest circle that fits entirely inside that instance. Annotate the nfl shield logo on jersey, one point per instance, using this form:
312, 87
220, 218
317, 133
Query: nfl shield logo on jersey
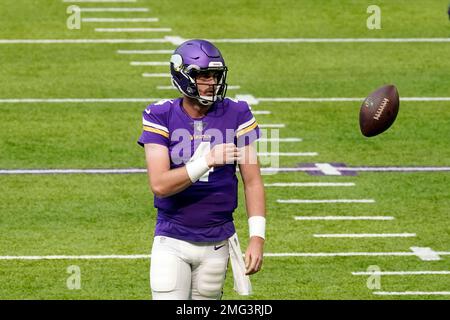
198, 126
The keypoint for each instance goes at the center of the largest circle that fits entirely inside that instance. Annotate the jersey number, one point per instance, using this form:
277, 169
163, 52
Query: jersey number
201, 151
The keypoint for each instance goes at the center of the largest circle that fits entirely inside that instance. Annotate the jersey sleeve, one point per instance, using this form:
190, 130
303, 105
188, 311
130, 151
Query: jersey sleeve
154, 126
248, 130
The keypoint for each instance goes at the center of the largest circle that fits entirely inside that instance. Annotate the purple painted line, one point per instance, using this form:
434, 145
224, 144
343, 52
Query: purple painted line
313, 170
397, 169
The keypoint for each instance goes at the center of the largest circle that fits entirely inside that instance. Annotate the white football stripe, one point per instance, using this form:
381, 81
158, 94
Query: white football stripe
339, 218
81, 257
310, 184
119, 20
149, 63
412, 293
133, 29
301, 99
275, 125
144, 51
326, 201
288, 154
132, 170
99, 1
280, 139
366, 235
259, 111
79, 41
400, 273
328, 40
73, 171
251, 100
114, 10
166, 88
156, 75
75, 100
271, 255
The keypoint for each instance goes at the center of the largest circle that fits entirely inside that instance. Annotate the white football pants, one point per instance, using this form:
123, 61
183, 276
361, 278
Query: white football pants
182, 270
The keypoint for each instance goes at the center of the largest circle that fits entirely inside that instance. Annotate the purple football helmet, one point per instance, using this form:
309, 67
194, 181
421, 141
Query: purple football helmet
192, 58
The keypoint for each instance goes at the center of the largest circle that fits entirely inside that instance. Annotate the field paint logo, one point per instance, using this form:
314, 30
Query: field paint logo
74, 281
374, 20
374, 281
74, 20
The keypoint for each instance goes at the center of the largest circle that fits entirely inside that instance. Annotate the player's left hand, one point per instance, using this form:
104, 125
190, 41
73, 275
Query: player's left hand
254, 255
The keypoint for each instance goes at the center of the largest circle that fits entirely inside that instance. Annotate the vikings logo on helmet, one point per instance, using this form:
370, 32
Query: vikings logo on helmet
193, 57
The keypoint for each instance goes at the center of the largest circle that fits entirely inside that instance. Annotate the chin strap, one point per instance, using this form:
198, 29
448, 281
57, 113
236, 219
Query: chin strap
205, 101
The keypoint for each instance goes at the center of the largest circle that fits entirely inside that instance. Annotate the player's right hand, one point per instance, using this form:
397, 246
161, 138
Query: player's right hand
221, 154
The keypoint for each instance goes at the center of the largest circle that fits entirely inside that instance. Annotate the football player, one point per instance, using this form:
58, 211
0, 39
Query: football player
192, 147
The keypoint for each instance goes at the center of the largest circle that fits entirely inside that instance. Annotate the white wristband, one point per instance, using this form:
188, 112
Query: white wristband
257, 226
197, 168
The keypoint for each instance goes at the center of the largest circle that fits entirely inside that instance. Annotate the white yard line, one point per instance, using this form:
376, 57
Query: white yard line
166, 88
75, 100
349, 254
176, 40
75, 257
99, 1
288, 154
156, 75
144, 51
343, 218
132, 170
412, 293
275, 125
400, 273
365, 235
272, 255
74, 41
310, 184
251, 100
80, 41
326, 201
329, 40
301, 99
279, 139
133, 30
119, 19
261, 112
149, 63
114, 10
72, 171
399, 169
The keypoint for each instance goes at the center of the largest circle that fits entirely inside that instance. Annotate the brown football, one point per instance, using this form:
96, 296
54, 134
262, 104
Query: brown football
379, 110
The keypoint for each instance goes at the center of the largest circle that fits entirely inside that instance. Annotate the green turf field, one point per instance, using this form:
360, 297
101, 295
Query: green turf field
113, 214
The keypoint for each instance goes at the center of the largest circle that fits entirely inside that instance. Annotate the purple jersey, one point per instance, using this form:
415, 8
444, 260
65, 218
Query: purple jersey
204, 211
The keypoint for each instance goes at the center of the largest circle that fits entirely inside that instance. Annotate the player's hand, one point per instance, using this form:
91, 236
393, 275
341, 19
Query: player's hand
225, 153
254, 255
